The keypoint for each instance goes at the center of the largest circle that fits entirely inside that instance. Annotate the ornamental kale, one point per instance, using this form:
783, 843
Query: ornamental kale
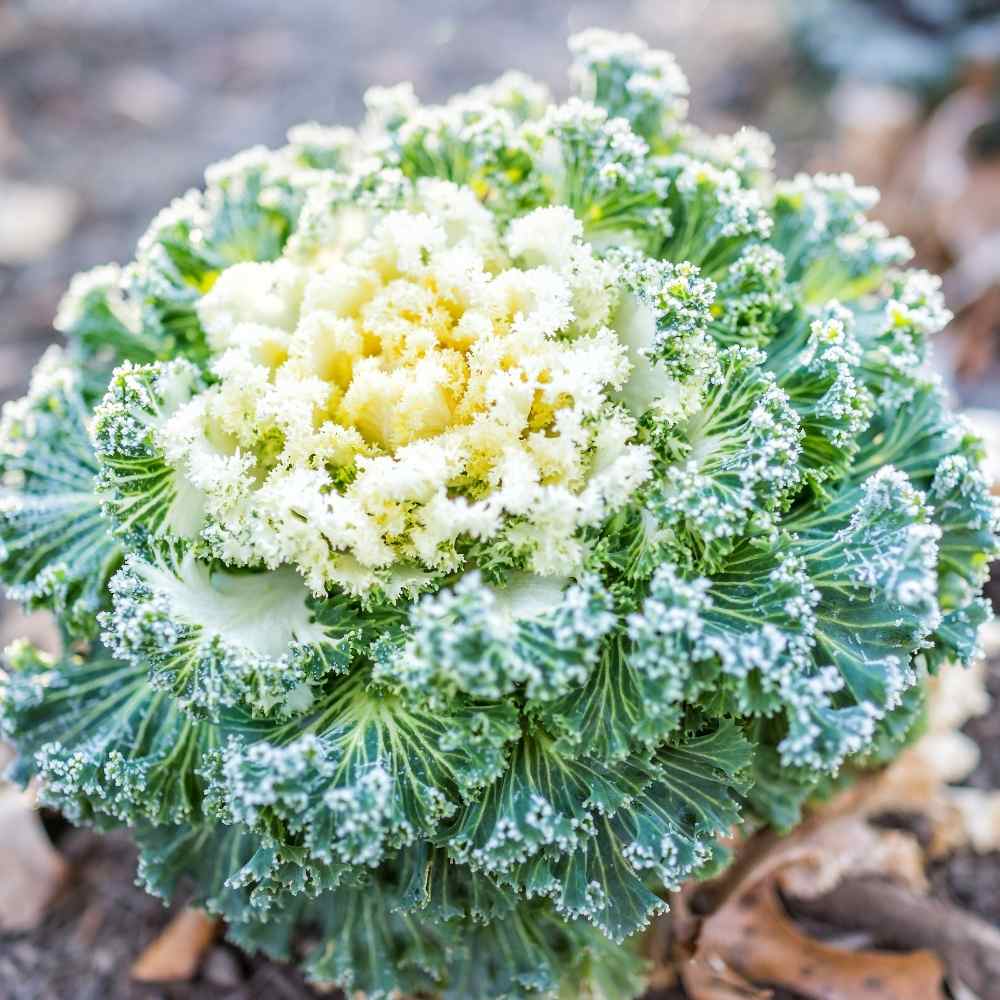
457, 526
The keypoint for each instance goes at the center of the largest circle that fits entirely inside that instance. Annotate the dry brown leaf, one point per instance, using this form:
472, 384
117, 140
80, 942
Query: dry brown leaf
848, 846
177, 952
31, 870
900, 919
714, 980
747, 939
752, 936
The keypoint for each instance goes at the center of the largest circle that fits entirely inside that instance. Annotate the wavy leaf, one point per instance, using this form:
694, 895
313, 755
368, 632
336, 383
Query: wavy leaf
216, 639
56, 548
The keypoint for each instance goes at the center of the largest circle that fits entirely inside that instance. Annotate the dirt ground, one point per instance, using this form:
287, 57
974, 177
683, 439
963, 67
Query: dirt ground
107, 110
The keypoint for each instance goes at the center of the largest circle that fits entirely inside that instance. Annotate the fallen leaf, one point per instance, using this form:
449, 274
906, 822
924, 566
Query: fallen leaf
849, 846
747, 939
714, 980
31, 870
903, 920
752, 937
177, 952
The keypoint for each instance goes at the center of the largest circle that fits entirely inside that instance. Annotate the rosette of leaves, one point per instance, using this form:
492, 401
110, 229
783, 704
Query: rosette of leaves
459, 525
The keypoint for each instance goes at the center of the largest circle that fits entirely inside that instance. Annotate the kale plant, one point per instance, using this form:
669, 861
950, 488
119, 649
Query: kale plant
458, 525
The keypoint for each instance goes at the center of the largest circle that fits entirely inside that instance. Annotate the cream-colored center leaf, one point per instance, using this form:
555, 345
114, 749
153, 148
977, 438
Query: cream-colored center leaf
423, 381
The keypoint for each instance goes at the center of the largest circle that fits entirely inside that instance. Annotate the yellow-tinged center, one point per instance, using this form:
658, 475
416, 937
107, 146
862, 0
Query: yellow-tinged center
429, 380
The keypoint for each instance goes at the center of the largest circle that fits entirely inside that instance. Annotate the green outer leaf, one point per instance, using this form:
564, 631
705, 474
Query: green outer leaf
872, 555
621, 74
658, 838
103, 327
216, 639
431, 883
734, 462
369, 940
145, 497
603, 174
544, 800
942, 457
621, 708
816, 359
241, 216
56, 549
830, 248
364, 773
106, 745
475, 640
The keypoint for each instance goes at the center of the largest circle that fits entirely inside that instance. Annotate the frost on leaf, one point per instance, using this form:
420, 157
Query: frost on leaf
367, 774
56, 548
459, 523
214, 639
146, 497
487, 643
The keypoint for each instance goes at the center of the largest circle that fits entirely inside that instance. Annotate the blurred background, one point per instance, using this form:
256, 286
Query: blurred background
109, 108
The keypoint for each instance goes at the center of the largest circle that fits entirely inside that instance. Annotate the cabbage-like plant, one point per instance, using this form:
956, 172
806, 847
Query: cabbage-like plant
459, 524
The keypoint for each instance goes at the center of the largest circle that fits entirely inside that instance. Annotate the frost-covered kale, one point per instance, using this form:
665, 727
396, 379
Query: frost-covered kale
457, 526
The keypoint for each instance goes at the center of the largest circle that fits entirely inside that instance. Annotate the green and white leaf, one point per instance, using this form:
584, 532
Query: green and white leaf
215, 639
56, 548
660, 837
365, 773
531, 636
106, 745
545, 801
733, 463
146, 497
